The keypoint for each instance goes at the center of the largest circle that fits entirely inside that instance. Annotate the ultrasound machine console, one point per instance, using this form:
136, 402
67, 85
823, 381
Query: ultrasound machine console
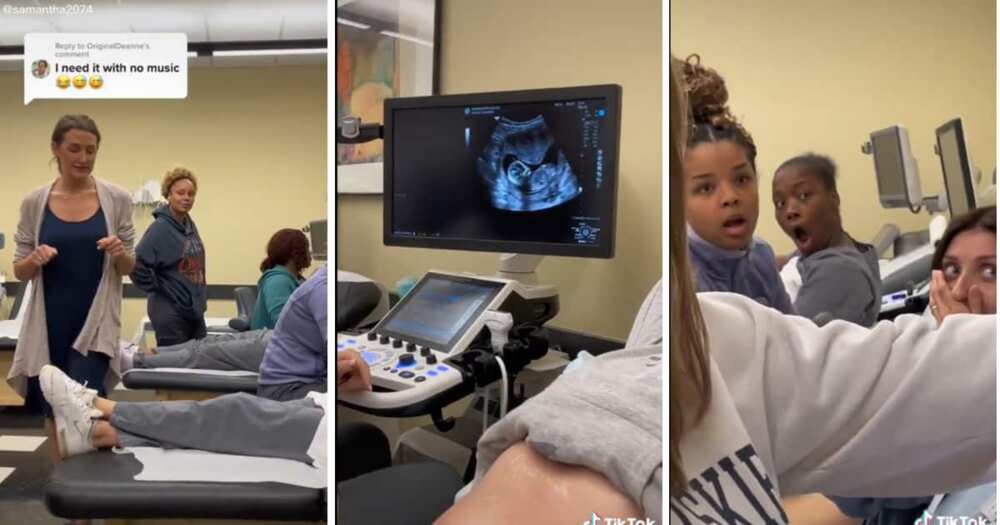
409, 350
524, 174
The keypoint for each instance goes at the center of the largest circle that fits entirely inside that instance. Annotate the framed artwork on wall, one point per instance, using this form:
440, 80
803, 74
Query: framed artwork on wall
385, 48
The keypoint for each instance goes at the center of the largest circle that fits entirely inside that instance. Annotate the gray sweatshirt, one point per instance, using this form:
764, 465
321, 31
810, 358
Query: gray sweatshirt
792, 411
605, 416
842, 282
626, 444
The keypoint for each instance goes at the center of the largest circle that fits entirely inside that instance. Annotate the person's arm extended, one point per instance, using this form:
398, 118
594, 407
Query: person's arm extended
844, 409
557, 493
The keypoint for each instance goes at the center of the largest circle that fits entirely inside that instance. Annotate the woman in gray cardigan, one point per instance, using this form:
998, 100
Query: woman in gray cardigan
74, 243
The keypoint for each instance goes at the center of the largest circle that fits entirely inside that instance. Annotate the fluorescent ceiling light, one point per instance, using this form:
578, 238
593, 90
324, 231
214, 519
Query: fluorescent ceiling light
192, 54
352, 23
260, 52
11, 58
407, 37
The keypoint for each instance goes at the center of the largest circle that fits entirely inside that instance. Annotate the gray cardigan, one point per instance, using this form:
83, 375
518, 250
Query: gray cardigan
102, 329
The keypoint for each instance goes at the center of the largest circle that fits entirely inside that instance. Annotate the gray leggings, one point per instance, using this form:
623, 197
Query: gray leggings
240, 351
231, 424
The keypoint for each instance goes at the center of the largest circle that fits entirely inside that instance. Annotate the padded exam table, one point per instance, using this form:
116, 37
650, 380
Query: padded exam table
101, 485
188, 384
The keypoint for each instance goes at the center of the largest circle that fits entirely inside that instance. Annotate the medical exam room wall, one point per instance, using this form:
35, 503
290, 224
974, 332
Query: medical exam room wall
820, 76
522, 44
254, 137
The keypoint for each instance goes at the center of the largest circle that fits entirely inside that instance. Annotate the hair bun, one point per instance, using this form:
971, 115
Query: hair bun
707, 93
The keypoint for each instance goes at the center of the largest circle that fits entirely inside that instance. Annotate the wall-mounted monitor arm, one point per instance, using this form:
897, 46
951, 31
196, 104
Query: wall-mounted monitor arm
352, 131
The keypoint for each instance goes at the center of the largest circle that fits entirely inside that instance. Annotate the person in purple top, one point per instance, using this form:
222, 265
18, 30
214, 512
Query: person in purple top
295, 359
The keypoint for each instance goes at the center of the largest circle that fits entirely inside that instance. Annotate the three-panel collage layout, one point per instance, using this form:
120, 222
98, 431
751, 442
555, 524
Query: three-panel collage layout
599, 263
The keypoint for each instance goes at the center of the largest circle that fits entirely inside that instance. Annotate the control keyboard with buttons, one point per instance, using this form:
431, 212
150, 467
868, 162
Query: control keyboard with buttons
399, 366
414, 352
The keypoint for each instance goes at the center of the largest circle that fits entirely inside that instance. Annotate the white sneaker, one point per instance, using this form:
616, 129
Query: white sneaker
86, 394
72, 406
126, 356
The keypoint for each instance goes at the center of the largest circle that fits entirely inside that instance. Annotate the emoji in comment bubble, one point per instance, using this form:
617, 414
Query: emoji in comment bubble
96, 81
80, 81
62, 81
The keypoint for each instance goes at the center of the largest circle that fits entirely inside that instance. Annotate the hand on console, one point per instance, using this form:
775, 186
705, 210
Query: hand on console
352, 372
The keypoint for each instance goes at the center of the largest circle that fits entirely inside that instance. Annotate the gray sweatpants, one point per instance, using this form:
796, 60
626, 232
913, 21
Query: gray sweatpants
231, 424
289, 391
240, 351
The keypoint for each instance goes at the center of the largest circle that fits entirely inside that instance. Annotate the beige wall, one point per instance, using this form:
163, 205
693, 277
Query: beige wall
524, 44
255, 137
822, 75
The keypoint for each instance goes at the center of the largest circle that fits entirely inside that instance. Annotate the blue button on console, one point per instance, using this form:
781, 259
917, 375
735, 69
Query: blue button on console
442, 368
432, 373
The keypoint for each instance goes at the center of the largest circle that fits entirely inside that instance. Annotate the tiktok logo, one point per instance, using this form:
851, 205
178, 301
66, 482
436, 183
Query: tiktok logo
597, 520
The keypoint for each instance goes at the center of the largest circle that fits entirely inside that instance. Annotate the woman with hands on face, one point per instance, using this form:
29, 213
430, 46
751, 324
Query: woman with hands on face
74, 244
964, 268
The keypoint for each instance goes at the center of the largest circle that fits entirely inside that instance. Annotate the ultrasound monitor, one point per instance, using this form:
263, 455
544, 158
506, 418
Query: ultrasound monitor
895, 168
956, 167
528, 172
439, 310
317, 239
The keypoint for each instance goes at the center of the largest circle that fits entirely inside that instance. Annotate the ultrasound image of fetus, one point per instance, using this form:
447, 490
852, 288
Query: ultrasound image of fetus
524, 168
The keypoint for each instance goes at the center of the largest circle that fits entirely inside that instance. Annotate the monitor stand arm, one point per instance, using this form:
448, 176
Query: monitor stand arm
521, 268
350, 130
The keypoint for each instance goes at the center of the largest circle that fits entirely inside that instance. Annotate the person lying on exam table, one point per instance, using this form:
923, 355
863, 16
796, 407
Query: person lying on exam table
297, 346
240, 423
238, 351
